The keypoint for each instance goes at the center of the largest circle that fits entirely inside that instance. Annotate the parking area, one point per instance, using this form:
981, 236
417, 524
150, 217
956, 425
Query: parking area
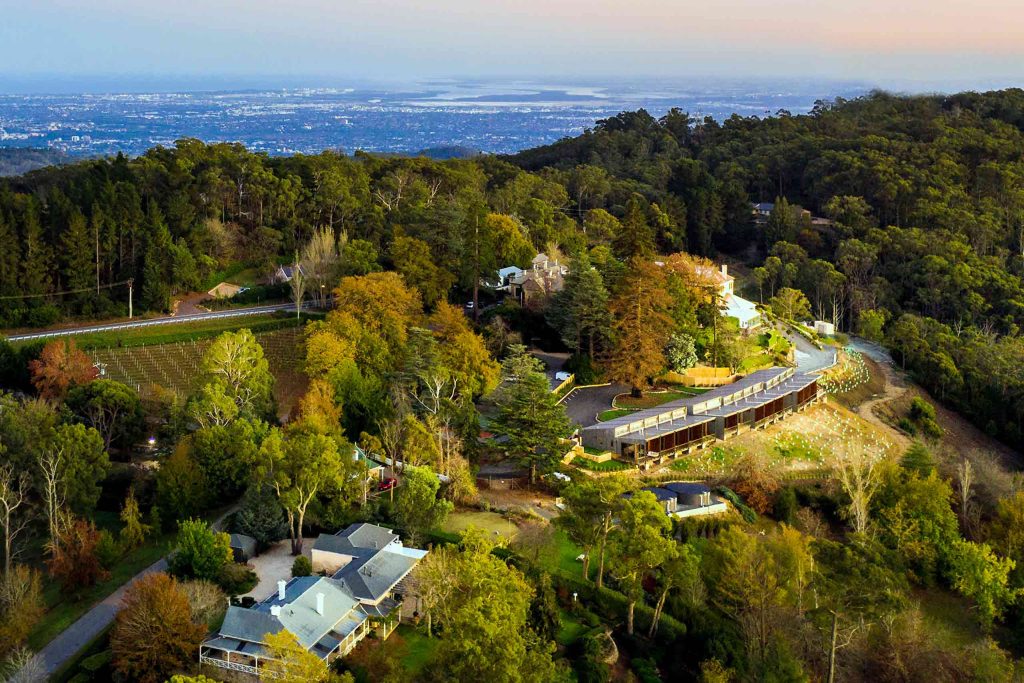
583, 405
275, 564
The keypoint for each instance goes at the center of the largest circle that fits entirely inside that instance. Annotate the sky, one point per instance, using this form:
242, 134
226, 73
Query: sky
934, 43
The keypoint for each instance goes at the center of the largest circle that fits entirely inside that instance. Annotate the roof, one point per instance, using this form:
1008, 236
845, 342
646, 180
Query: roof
298, 612
660, 493
741, 309
765, 206
694, 405
356, 539
379, 560
688, 488
540, 258
243, 542
372, 577
242, 623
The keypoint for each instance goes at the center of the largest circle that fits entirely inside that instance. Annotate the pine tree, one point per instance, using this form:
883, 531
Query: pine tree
156, 264
78, 254
642, 324
35, 267
10, 257
580, 310
635, 236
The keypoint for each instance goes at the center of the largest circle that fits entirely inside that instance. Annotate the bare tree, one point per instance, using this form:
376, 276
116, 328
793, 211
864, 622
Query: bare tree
855, 465
13, 497
320, 256
25, 666
298, 285
51, 465
965, 495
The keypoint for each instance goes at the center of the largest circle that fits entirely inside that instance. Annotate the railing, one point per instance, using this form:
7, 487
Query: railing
236, 666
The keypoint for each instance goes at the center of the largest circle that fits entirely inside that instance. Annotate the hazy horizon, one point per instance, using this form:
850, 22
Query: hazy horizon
138, 45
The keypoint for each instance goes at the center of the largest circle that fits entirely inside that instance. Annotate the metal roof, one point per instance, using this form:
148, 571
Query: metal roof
723, 392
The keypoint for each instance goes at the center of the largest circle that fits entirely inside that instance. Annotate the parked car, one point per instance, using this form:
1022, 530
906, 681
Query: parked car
387, 484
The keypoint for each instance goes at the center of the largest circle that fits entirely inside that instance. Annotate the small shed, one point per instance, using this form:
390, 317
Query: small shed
225, 290
244, 547
826, 328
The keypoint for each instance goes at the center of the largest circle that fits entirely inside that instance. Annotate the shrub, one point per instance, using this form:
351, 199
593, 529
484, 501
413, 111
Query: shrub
921, 409
906, 425
302, 566
200, 552
97, 661
108, 551
785, 505
237, 579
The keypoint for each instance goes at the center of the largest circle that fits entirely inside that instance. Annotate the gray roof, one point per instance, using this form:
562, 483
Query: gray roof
373, 577
243, 542
357, 540
378, 560
692, 402
686, 487
248, 624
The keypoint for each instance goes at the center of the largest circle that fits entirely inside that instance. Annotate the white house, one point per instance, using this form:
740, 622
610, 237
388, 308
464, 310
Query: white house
735, 306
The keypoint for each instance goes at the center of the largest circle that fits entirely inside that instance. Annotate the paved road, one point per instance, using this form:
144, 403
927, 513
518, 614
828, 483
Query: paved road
66, 646
809, 358
149, 322
583, 405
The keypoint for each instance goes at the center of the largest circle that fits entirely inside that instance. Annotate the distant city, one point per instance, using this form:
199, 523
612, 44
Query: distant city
496, 118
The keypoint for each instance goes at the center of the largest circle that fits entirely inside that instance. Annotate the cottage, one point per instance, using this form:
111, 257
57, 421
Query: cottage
285, 273
328, 615
544, 277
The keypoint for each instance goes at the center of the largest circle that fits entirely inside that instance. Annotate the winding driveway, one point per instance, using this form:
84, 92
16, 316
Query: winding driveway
69, 644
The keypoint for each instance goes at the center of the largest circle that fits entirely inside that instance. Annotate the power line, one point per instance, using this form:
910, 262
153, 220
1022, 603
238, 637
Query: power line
70, 291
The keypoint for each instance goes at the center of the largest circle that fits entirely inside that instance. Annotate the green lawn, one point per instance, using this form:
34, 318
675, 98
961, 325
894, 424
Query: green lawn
606, 466
419, 648
563, 560
614, 413
490, 522
570, 630
657, 398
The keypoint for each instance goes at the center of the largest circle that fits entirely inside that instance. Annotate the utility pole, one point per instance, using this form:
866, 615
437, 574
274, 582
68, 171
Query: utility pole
832, 649
131, 281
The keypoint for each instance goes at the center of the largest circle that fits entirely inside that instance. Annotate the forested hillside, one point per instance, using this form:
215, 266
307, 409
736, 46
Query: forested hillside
925, 249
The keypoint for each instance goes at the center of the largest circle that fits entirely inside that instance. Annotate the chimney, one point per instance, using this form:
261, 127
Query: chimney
320, 604
725, 269
281, 585
275, 610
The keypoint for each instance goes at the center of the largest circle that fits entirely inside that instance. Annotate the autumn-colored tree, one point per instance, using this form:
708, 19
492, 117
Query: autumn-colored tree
134, 531
73, 558
154, 635
60, 366
462, 352
317, 410
289, 662
21, 606
641, 324
754, 479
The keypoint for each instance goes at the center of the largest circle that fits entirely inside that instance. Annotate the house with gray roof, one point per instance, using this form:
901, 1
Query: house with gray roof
365, 566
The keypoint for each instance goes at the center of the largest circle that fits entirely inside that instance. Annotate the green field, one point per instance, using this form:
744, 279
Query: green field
174, 366
490, 522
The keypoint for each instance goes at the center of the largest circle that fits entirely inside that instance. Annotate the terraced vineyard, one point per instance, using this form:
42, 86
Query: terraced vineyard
159, 368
